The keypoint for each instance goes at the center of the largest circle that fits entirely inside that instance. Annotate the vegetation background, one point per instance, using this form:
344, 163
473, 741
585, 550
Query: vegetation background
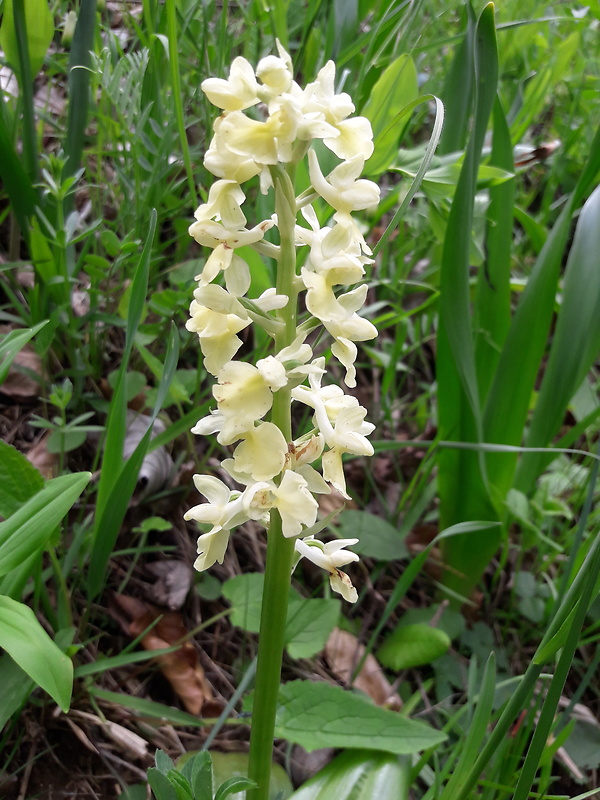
486, 291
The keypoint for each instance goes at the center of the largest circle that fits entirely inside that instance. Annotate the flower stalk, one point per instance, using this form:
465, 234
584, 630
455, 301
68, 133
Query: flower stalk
254, 401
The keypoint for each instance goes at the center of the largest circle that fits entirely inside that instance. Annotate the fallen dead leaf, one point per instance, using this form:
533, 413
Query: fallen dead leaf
122, 736
45, 462
181, 667
343, 652
174, 579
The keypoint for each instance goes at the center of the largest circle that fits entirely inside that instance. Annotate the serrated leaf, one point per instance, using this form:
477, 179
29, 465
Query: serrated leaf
358, 775
24, 639
377, 538
318, 715
29, 528
19, 479
413, 645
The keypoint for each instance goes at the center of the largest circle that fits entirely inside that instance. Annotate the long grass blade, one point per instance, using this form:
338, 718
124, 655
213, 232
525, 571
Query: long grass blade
575, 344
507, 405
459, 412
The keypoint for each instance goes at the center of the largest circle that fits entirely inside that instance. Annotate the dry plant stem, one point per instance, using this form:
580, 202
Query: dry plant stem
280, 550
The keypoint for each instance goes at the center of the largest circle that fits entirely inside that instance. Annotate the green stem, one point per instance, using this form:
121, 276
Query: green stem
280, 551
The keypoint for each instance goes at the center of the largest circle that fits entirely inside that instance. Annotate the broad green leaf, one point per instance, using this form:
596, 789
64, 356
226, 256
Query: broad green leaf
40, 30
413, 645
29, 528
16, 688
19, 479
309, 622
575, 344
396, 88
359, 775
244, 592
12, 343
227, 767
377, 538
321, 715
24, 639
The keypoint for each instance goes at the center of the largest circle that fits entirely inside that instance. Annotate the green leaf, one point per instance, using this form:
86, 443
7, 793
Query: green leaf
198, 771
359, 775
459, 407
321, 715
232, 786
396, 88
309, 622
244, 592
16, 688
40, 30
161, 785
575, 344
19, 479
24, 639
163, 762
12, 343
148, 708
377, 538
412, 646
29, 528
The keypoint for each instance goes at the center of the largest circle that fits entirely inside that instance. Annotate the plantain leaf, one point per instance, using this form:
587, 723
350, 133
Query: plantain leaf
321, 715
412, 646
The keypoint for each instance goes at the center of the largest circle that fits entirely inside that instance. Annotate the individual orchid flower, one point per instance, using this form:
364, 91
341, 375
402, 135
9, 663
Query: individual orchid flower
239, 91
216, 331
224, 511
342, 189
330, 557
292, 499
260, 456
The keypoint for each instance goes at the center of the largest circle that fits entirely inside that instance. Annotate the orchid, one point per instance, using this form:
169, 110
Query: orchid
281, 472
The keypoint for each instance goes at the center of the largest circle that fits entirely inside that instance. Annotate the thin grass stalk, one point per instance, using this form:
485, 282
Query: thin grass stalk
280, 551
178, 96
546, 649
29, 137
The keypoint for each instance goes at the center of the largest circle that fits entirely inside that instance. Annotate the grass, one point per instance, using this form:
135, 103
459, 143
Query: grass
485, 292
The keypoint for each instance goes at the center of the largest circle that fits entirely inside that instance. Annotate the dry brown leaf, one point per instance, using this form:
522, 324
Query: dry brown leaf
126, 739
173, 584
45, 462
158, 464
181, 667
343, 652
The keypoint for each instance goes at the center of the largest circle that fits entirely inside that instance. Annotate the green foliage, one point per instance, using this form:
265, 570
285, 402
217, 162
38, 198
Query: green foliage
358, 775
412, 646
321, 715
309, 621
